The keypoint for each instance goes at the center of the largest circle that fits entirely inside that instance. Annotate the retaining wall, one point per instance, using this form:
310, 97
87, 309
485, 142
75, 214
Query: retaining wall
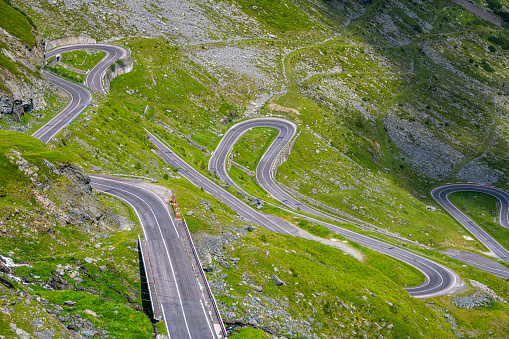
118, 68
69, 40
283, 156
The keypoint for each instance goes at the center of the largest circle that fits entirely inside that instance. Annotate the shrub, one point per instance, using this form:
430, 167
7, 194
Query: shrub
502, 42
494, 5
417, 28
487, 67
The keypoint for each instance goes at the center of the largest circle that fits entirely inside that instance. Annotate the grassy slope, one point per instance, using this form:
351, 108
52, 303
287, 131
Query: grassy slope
252, 145
184, 98
16, 24
50, 243
82, 59
64, 72
379, 79
188, 197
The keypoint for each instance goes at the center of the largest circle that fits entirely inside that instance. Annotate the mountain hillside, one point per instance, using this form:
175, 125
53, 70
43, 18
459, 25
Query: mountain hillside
391, 99
23, 85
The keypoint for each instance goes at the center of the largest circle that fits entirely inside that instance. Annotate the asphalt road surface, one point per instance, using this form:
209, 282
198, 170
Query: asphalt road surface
186, 310
439, 279
80, 96
441, 195
209, 186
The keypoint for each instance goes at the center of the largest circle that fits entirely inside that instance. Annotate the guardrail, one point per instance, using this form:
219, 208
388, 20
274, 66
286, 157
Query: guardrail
209, 291
399, 246
133, 176
205, 279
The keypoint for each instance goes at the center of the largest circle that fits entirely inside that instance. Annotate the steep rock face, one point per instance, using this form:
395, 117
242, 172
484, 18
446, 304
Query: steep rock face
64, 191
23, 82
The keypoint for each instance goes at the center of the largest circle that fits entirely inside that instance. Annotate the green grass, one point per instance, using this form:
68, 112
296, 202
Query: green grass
36, 236
280, 16
326, 277
34, 151
84, 60
480, 320
121, 320
16, 24
315, 229
64, 72
350, 127
249, 333
250, 147
483, 209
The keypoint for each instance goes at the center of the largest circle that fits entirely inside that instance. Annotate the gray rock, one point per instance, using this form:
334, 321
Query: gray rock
189, 213
59, 271
252, 321
37, 322
76, 175
250, 228
276, 280
96, 169
209, 268
52, 167
87, 333
469, 302
207, 260
44, 335
256, 287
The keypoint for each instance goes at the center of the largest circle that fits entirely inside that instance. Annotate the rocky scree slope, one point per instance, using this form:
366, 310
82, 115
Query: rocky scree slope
69, 264
23, 86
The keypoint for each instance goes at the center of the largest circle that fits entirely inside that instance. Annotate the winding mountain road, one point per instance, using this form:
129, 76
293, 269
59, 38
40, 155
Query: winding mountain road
94, 79
179, 291
157, 223
79, 95
439, 279
441, 195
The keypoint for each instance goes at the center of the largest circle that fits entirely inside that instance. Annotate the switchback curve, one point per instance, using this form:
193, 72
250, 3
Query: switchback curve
441, 195
439, 279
